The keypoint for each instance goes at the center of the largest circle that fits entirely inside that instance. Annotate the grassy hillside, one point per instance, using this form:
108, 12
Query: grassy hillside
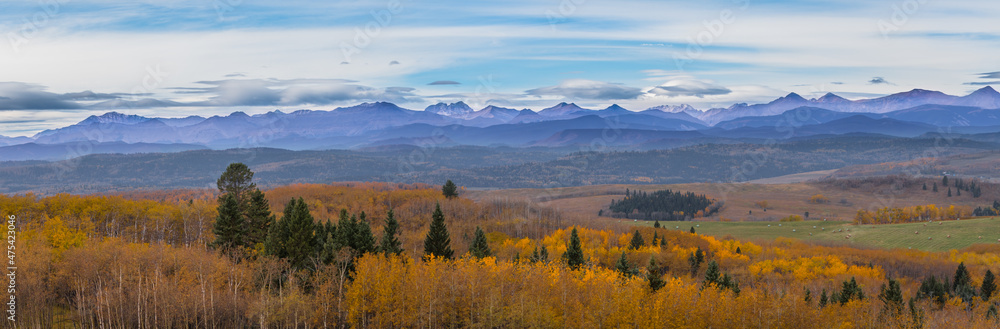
963, 233
742, 219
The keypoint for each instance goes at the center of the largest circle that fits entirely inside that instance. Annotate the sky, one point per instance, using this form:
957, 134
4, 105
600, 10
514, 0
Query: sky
64, 60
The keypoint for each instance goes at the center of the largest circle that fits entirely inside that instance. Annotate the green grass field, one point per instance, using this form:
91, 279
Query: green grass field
963, 233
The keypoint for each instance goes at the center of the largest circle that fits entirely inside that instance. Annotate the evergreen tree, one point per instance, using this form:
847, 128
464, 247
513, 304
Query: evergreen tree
300, 244
656, 224
637, 241
851, 291
892, 298
949, 192
238, 181
543, 255
663, 242
695, 261
958, 192
480, 248
574, 252
534, 255
823, 299
449, 189
277, 234
808, 297
692, 229
389, 243
925, 186
962, 277
989, 286
259, 218
364, 240
934, 189
229, 229
345, 231
438, 241
711, 275
654, 276
622, 266
944, 181
738, 251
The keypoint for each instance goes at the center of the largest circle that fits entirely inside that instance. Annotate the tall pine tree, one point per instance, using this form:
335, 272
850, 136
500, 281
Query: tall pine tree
438, 241
637, 241
480, 248
989, 286
259, 219
229, 229
300, 244
389, 243
574, 252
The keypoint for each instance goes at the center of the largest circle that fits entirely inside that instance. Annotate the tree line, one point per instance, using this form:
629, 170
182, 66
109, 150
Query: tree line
663, 205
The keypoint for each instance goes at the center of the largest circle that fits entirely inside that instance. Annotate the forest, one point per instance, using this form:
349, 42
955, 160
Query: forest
474, 166
663, 205
416, 258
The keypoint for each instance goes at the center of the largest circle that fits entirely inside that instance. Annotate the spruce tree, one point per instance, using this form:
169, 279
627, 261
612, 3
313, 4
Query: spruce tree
962, 277
389, 243
622, 266
229, 229
711, 275
944, 181
543, 255
656, 224
259, 218
449, 190
654, 276
480, 248
364, 240
925, 187
823, 299
949, 192
574, 252
637, 241
438, 241
892, 298
989, 286
300, 244
277, 234
344, 237
934, 188
692, 229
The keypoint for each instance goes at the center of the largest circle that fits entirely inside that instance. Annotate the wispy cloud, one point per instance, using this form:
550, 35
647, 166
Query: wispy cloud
879, 81
587, 89
688, 87
444, 82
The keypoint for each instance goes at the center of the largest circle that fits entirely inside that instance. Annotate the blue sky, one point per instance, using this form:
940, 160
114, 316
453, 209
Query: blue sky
212, 57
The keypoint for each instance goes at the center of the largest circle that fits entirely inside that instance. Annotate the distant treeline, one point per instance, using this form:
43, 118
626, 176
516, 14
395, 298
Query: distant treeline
663, 205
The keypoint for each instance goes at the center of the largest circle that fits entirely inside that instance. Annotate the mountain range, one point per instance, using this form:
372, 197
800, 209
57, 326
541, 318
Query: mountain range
906, 114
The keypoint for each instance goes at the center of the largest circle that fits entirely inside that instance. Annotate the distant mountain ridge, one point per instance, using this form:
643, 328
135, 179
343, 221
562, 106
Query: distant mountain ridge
903, 114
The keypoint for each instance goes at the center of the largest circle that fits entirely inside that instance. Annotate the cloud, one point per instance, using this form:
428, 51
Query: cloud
879, 81
836, 83
394, 63
235, 75
990, 75
983, 83
444, 82
587, 89
274, 92
688, 87
23, 96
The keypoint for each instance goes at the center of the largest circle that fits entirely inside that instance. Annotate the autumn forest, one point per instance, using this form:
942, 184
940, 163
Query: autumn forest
377, 255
